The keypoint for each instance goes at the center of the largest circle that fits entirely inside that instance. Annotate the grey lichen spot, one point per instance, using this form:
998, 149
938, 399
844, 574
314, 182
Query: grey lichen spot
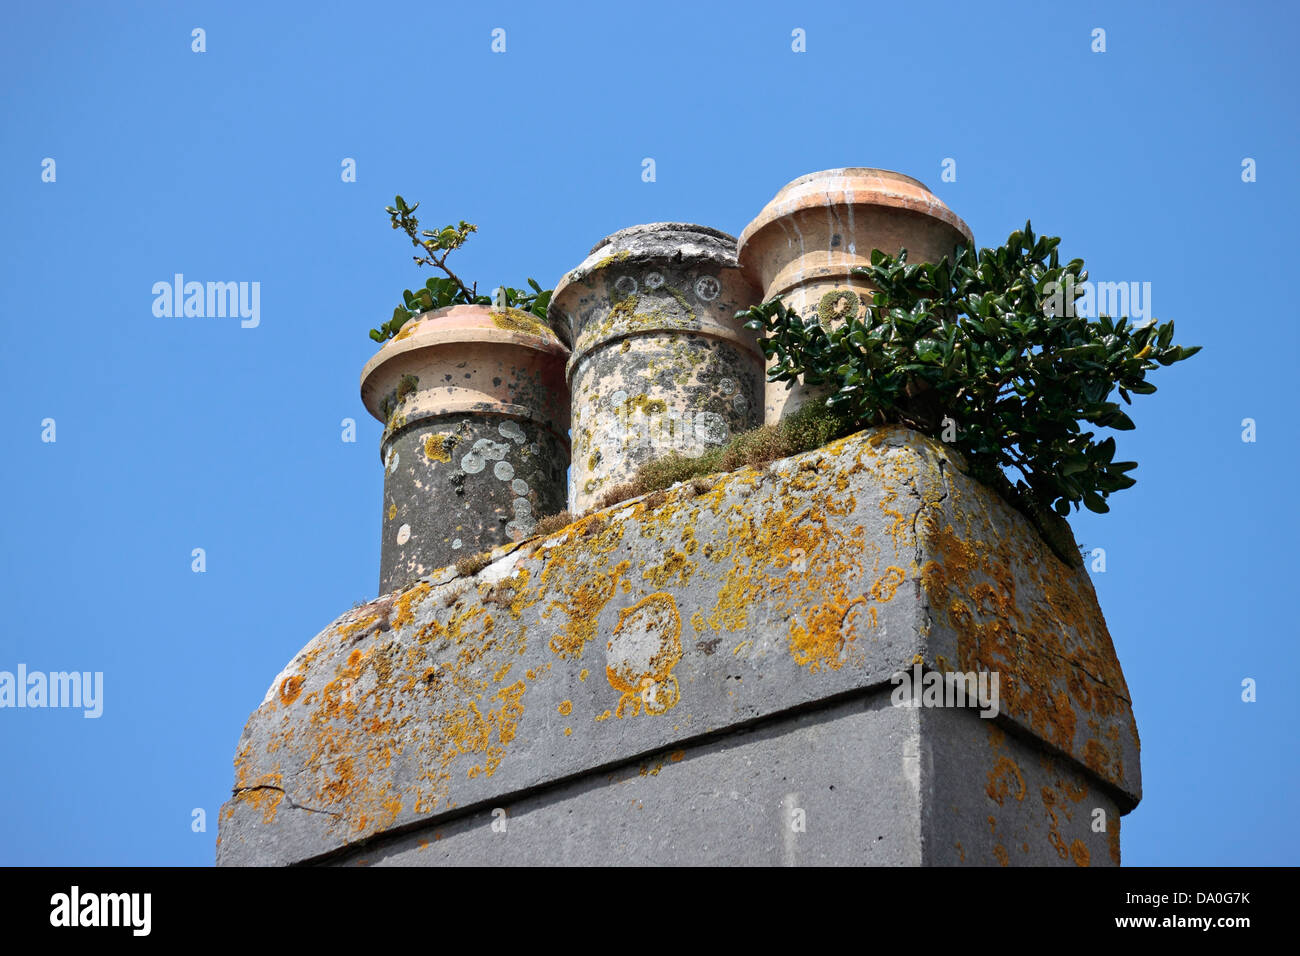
504, 471
740, 403
457, 544
521, 527
618, 399
404, 534
491, 450
707, 288
523, 508
510, 429
484, 450
391, 464
711, 429
519, 486
726, 386
626, 285
654, 280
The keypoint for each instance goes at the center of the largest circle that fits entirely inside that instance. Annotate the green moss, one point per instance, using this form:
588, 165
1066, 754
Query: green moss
645, 403
517, 320
828, 307
809, 428
624, 309
407, 386
609, 260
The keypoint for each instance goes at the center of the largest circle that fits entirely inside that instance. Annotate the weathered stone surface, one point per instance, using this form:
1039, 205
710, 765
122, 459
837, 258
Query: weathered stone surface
681, 616
857, 782
839, 786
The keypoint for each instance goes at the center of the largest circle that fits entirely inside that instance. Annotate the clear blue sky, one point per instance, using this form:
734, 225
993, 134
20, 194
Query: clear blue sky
174, 434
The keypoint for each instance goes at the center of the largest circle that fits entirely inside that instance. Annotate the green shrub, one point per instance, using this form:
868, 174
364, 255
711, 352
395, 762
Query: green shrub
986, 353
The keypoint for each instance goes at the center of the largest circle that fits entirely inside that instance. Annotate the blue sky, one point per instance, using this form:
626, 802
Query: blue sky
175, 434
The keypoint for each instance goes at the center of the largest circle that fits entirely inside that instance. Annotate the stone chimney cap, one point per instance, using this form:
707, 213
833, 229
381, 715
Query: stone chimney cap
633, 237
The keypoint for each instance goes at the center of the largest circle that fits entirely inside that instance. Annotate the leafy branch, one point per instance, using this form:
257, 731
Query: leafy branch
439, 293
986, 352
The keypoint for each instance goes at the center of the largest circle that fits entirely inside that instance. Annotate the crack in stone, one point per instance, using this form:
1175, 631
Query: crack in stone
288, 799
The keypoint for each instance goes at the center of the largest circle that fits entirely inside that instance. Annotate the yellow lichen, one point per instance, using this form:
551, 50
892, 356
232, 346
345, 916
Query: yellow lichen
438, 446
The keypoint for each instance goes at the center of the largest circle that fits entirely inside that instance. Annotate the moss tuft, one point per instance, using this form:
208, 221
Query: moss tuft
472, 564
809, 428
553, 523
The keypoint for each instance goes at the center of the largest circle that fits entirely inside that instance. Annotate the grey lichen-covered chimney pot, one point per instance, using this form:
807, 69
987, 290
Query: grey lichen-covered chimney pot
475, 443
660, 363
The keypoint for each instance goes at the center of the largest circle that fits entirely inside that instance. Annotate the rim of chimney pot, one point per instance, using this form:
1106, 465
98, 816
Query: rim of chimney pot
819, 188
430, 330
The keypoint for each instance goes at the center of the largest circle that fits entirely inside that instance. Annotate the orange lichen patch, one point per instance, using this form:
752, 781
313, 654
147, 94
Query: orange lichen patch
392, 510
581, 609
674, 565
565, 708
732, 610
407, 602
501, 724
1056, 808
1005, 778
290, 688
821, 642
582, 674
885, 586
1079, 853
1004, 858
641, 654
360, 624
266, 793
1112, 840
676, 756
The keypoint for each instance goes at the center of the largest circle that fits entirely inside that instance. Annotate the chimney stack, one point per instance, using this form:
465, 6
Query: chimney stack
860, 655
